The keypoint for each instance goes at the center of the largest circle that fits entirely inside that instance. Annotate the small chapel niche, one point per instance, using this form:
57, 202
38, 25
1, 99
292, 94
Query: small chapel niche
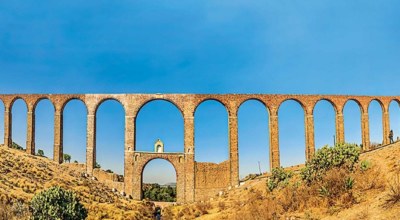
159, 146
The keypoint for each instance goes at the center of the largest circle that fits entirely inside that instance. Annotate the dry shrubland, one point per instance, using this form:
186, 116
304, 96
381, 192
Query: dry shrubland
22, 176
368, 190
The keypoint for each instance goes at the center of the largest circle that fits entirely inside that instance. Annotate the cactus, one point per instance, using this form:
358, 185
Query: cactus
57, 203
279, 177
326, 158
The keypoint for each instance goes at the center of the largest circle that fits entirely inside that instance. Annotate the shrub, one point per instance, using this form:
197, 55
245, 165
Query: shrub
336, 186
67, 157
393, 196
97, 165
57, 203
40, 153
365, 165
371, 179
326, 158
16, 146
279, 177
14, 209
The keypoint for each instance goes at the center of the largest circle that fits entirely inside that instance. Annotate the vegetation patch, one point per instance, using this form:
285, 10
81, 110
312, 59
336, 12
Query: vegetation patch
155, 192
57, 203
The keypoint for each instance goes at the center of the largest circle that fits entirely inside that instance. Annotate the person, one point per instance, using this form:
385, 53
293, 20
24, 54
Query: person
391, 136
157, 213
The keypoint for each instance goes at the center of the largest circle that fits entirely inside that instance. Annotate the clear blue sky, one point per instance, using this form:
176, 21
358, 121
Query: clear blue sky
312, 47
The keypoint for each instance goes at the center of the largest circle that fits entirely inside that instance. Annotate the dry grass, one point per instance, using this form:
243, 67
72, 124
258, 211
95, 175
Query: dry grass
22, 175
16, 210
393, 196
331, 198
341, 194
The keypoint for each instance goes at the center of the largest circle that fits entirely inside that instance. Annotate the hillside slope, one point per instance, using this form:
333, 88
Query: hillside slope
252, 200
23, 175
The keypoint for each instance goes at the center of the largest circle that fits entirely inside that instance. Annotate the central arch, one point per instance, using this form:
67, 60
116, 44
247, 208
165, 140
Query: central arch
177, 160
159, 179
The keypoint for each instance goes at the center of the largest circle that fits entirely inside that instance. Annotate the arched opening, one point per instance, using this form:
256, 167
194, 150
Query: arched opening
375, 124
159, 120
253, 139
211, 132
291, 134
74, 131
44, 128
2, 109
110, 126
159, 181
324, 124
394, 116
19, 125
352, 122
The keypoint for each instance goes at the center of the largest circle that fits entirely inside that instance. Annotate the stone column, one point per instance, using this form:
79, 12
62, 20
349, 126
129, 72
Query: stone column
339, 127
233, 150
58, 136
7, 126
365, 130
309, 129
274, 140
130, 121
91, 142
189, 159
30, 139
386, 126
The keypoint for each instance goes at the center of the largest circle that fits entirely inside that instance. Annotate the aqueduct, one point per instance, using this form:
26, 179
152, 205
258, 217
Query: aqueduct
195, 180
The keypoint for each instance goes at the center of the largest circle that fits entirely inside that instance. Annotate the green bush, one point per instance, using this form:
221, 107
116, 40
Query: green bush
67, 157
326, 158
57, 203
40, 153
279, 177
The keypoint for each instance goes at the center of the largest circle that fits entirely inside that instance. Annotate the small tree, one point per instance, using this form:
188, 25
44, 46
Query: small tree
67, 157
57, 203
40, 153
97, 165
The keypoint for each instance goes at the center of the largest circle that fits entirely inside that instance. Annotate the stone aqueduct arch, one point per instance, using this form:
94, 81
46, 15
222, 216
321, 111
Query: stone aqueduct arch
195, 180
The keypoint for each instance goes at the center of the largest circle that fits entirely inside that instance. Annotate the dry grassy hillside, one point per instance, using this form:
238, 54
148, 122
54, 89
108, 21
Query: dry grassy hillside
23, 175
375, 195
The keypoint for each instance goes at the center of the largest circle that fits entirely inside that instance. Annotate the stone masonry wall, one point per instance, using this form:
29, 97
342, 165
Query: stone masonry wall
210, 178
109, 179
